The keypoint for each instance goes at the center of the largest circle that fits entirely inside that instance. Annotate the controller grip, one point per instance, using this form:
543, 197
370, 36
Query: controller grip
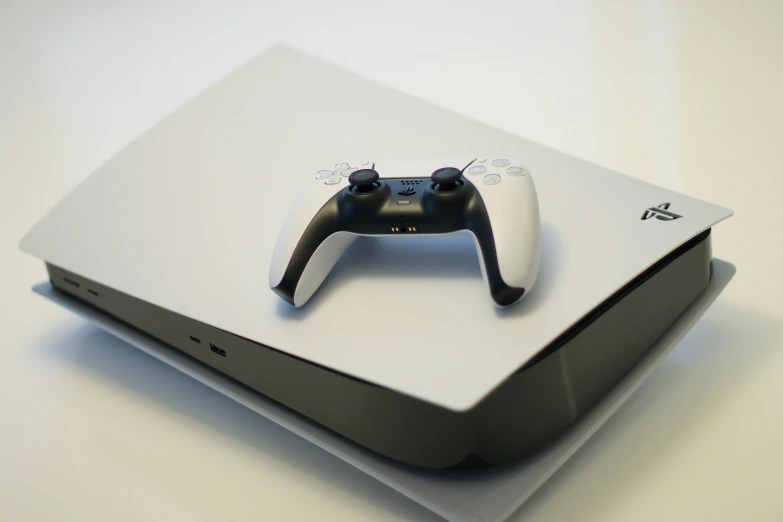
309, 245
507, 229
304, 276
502, 293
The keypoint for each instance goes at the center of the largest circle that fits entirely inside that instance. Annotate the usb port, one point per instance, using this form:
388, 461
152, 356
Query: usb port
71, 282
217, 350
195, 339
410, 229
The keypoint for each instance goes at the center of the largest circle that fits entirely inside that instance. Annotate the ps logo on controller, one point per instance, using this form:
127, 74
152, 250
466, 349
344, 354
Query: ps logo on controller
660, 212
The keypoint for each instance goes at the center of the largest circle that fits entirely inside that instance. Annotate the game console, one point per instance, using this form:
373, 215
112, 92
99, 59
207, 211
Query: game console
454, 196
182, 234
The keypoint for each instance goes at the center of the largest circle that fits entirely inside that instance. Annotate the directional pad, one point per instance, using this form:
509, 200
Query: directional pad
344, 169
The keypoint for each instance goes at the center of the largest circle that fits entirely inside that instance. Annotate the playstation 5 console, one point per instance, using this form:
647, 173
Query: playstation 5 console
441, 312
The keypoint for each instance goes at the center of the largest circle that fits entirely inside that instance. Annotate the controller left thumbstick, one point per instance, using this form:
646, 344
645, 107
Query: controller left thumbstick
364, 181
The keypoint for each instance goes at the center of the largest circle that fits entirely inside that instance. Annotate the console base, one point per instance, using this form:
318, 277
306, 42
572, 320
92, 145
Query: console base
458, 495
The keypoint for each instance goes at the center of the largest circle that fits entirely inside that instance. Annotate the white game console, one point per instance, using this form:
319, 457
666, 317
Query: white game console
399, 350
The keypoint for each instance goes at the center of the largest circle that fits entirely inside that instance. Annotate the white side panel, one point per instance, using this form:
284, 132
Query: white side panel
217, 179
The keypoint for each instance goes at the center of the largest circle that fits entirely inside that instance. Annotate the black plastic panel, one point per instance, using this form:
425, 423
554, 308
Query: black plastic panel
524, 413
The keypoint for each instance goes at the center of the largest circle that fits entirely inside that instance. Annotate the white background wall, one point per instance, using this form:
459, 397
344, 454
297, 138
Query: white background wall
684, 94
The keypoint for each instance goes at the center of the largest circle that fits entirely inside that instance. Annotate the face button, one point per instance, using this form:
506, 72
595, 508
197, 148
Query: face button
492, 179
481, 160
323, 174
477, 169
500, 163
348, 172
341, 167
446, 179
335, 179
516, 171
364, 181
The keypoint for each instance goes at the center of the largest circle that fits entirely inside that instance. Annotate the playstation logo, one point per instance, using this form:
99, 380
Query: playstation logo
660, 212
407, 191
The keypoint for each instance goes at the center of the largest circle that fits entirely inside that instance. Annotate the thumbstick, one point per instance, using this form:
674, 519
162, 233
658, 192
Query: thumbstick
446, 178
364, 180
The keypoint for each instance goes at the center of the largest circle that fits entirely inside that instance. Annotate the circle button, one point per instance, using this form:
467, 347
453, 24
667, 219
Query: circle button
335, 179
323, 174
492, 179
500, 162
516, 171
477, 169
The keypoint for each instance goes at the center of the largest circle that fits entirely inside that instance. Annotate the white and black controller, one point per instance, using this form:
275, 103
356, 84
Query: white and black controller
492, 199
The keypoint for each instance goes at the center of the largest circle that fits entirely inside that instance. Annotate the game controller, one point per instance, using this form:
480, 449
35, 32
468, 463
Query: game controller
492, 200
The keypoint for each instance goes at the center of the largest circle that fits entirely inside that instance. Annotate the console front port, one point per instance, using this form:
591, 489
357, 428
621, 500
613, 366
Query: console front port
217, 350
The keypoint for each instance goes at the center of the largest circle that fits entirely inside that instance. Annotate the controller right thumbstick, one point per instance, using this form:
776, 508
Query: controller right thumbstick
446, 178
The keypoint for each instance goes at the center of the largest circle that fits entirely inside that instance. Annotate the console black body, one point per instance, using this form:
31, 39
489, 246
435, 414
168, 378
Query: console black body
531, 408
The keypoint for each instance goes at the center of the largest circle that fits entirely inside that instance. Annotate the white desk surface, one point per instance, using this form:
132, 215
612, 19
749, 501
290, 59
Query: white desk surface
686, 96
